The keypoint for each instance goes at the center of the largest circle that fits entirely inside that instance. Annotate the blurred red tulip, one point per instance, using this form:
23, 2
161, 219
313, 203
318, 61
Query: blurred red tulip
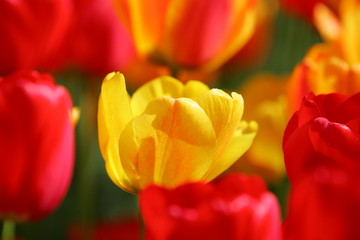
305, 8
31, 33
124, 229
237, 207
327, 127
324, 205
36, 146
98, 42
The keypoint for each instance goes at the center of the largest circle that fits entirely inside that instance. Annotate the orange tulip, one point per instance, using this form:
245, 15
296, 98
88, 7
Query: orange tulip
189, 33
258, 46
322, 71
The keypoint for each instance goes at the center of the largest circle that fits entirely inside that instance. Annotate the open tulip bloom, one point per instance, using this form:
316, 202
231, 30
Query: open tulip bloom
168, 133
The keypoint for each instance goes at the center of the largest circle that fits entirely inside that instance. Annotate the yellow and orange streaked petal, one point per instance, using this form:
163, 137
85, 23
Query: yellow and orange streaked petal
240, 142
224, 112
113, 114
162, 86
174, 143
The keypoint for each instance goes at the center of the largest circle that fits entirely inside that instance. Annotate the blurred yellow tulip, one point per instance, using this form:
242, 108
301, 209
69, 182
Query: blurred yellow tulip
266, 104
189, 33
168, 133
341, 28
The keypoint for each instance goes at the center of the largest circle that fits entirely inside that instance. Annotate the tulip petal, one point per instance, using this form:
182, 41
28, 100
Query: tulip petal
174, 142
224, 113
162, 86
194, 88
113, 114
145, 20
239, 144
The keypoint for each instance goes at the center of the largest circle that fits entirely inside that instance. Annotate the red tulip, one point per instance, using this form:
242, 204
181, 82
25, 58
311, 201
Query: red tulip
322, 157
237, 207
36, 146
98, 42
325, 130
324, 205
31, 33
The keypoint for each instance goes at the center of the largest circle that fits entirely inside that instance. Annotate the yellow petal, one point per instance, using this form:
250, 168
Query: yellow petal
162, 86
174, 143
350, 15
194, 88
224, 112
113, 114
327, 22
240, 143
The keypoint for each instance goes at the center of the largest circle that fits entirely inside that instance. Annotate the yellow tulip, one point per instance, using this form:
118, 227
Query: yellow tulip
168, 133
266, 104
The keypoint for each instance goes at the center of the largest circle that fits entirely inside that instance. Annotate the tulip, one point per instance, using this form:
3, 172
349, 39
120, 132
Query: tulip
322, 71
324, 206
236, 207
169, 133
266, 104
36, 146
31, 33
190, 33
322, 152
257, 47
327, 127
98, 42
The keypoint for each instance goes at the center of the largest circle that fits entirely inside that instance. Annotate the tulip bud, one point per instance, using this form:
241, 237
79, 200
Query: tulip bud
36, 146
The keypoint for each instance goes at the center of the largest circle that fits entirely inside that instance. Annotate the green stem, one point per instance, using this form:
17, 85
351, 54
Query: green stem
8, 231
